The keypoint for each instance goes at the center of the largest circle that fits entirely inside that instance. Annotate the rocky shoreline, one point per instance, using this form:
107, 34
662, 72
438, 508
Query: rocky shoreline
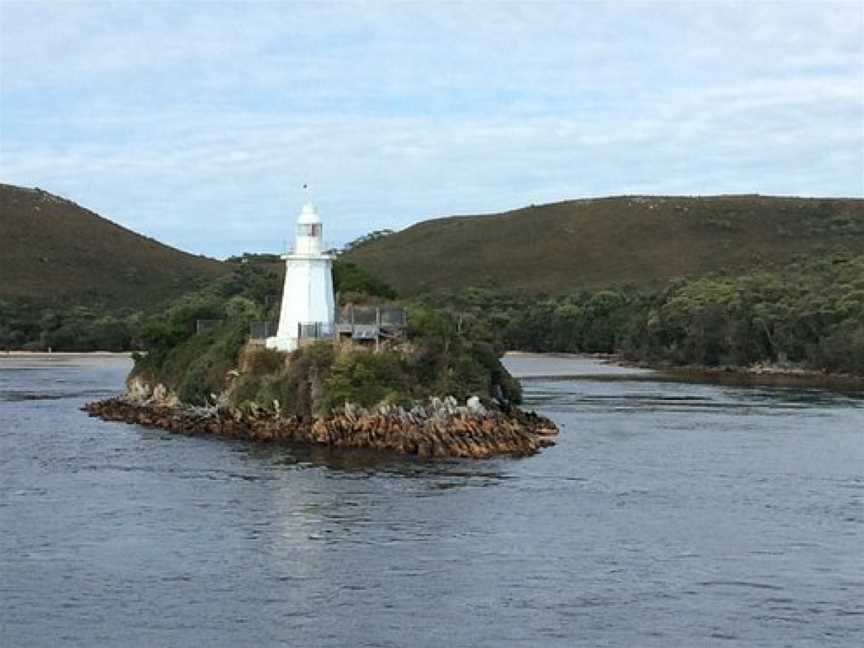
760, 373
434, 430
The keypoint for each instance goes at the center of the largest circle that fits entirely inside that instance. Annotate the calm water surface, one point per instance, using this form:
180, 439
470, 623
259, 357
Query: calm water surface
669, 514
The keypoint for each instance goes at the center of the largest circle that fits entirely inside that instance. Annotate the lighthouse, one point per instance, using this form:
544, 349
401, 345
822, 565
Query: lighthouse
307, 296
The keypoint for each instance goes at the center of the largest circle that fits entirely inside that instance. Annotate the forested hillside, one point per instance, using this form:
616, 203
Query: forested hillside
809, 314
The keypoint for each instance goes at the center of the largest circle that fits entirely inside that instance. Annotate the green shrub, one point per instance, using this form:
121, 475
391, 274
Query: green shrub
349, 278
260, 361
367, 378
196, 367
842, 351
298, 387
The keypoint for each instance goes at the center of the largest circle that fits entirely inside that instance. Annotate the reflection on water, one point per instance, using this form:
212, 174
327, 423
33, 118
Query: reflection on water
668, 514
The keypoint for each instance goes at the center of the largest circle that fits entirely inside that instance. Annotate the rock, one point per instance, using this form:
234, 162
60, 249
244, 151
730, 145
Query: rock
138, 390
164, 396
475, 406
441, 428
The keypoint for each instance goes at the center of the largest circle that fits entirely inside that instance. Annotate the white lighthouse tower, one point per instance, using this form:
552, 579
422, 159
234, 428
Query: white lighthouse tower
307, 297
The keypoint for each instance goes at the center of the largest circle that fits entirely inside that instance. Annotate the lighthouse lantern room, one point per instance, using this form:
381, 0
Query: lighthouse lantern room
307, 296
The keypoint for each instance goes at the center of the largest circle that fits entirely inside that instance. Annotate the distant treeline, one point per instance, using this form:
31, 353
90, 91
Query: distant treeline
810, 314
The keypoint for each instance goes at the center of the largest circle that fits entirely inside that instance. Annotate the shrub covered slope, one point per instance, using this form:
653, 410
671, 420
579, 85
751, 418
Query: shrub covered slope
57, 253
628, 241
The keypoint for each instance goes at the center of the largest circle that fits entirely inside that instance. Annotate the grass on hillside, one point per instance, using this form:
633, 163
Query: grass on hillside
612, 242
54, 252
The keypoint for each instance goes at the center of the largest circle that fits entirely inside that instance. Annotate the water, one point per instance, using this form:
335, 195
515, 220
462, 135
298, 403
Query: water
669, 514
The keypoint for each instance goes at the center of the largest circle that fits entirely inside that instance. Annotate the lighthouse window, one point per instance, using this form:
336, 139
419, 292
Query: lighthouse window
309, 230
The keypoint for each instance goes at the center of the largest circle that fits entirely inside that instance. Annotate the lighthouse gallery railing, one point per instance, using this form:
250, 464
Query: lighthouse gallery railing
360, 322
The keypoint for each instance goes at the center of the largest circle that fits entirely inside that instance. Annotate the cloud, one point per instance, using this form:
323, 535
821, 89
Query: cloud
197, 124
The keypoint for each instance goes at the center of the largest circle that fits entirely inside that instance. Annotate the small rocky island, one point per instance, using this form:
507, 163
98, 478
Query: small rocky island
437, 429
309, 380
426, 383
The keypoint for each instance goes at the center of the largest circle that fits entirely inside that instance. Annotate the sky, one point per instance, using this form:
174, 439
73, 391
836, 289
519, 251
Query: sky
197, 123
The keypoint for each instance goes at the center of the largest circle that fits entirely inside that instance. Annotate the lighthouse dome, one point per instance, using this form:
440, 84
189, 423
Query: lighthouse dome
308, 215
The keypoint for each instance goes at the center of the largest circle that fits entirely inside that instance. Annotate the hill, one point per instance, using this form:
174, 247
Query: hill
620, 241
53, 251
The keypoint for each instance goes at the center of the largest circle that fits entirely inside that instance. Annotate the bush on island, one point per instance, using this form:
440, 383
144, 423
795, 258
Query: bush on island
440, 358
